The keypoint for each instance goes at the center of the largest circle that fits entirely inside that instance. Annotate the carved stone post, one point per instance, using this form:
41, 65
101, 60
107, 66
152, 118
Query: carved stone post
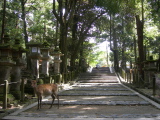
149, 70
35, 56
5, 61
57, 54
45, 61
16, 69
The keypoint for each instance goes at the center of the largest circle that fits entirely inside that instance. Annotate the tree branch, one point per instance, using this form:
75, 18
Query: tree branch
83, 34
54, 12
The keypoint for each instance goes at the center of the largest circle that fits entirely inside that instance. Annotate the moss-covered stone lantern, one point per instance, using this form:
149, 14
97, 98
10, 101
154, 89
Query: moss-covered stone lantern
35, 55
150, 67
6, 61
57, 60
45, 58
6, 53
17, 52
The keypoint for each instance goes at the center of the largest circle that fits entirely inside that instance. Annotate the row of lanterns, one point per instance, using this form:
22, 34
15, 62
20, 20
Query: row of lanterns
12, 56
41, 52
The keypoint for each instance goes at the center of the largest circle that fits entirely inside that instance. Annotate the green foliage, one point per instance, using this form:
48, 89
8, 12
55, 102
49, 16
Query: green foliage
96, 57
46, 44
115, 15
110, 5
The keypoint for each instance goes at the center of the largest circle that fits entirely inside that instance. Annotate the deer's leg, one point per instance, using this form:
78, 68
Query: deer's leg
53, 98
57, 96
40, 101
58, 100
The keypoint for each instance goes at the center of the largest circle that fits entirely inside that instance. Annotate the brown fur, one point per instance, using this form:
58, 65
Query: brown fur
45, 90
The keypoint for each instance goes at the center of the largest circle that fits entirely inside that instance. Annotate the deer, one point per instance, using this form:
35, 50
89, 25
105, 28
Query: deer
45, 90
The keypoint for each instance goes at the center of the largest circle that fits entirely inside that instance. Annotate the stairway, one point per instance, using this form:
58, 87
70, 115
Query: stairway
97, 95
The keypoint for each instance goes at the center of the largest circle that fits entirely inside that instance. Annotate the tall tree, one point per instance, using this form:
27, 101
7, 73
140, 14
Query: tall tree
3, 21
84, 19
140, 26
23, 2
64, 15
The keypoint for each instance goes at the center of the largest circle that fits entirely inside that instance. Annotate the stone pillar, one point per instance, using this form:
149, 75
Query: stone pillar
16, 69
5, 61
35, 67
149, 69
35, 56
57, 66
45, 61
15, 77
57, 54
45, 67
4, 74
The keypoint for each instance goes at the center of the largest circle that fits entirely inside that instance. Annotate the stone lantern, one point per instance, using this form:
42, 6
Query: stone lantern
5, 60
35, 55
16, 69
45, 59
17, 53
149, 68
57, 55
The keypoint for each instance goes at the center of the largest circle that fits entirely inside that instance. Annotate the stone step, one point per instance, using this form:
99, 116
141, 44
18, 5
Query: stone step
98, 89
98, 81
99, 98
97, 85
96, 74
99, 102
76, 116
99, 94
83, 91
98, 78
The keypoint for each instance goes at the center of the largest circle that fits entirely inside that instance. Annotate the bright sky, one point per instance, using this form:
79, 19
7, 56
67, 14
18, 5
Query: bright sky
102, 46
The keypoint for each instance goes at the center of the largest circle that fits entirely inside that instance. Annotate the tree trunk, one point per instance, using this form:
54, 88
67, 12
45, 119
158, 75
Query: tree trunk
74, 38
135, 49
114, 47
63, 47
3, 21
110, 31
64, 20
116, 63
140, 45
123, 64
25, 32
24, 21
115, 52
